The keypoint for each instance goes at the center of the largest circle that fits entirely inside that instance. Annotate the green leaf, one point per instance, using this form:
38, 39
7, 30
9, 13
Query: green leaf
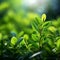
19, 41
52, 29
13, 40
58, 43
0, 36
43, 17
26, 37
20, 34
38, 19
34, 26
29, 46
34, 37
48, 23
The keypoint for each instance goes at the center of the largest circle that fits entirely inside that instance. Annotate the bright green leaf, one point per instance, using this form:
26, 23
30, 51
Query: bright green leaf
13, 40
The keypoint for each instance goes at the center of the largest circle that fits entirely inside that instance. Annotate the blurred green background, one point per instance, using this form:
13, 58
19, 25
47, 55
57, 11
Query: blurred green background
16, 15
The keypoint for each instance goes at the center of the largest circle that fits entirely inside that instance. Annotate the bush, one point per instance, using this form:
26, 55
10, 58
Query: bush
28, 37
44, 38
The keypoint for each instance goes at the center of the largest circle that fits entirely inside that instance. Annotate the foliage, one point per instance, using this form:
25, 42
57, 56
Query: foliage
28, 36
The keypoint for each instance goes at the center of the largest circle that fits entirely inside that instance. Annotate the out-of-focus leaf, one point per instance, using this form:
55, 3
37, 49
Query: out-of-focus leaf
1, 36
26, 37
4, 6
20, 34
52, 29
13, 40
18, 42
13, 34
30, 45
58, 44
